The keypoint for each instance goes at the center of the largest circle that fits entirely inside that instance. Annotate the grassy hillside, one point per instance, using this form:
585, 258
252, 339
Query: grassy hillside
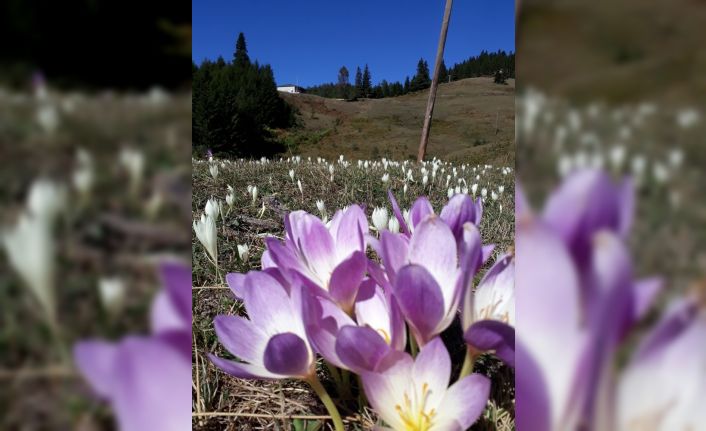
463, 129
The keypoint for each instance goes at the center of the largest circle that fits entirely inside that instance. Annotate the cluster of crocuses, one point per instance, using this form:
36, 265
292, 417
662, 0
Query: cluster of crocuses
319, 294
579, 302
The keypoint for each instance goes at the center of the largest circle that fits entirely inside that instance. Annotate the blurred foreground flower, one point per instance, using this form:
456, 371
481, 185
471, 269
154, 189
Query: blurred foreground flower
146, 379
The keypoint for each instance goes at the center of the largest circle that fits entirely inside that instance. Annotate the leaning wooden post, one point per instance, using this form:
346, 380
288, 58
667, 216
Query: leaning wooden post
434, 83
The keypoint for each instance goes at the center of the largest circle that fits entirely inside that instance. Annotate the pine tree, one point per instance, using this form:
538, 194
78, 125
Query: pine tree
443, 73
358, 82
343, 76
240, 57
407, 85
421, 79
367, 84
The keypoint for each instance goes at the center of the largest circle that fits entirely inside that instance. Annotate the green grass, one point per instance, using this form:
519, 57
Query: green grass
249, 223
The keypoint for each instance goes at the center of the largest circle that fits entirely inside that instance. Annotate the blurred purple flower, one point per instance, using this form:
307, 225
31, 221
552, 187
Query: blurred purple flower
415, 394
578, 299
664, 384
272, 342
146, 379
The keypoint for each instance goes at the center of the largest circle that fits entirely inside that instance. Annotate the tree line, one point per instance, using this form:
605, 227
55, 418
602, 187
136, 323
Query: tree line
236, 105
497, 64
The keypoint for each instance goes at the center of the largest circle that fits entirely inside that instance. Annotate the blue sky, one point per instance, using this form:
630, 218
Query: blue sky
306, 42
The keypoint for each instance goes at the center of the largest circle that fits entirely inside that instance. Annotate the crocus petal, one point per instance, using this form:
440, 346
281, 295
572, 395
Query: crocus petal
323, 320
394, 253
420, 300
532, 410
421, 209
479, 211
153, 379
346, 279
492, 335
313, 240
548, 294
678, 317
585, 203
404, 229
458, 211
644, 294
360, 348
350, 232
96, 361
434, 247
487, 251
433, 368
243, 370
375, 313
164, 316
176, 278
522, 207
267, 302
288, 355
235, 282
241, 337
385, 387
465, 400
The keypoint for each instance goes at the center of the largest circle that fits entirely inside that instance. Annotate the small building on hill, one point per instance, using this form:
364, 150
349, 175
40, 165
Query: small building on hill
290, 88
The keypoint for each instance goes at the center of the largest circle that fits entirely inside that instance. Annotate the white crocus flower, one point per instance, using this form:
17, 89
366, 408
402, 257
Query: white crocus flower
385, 178
450, 193
404, 190
380, 218
29, 246
82, 179
243, 252
205, 229
291, 174
230, 199
134, 163
212, 209
253, 192
494, 196
617, 157
112, 294
501, 189
474, 189
393, 225
46, 200
321, 206
301, 189
676, 157
213, 168
484, 192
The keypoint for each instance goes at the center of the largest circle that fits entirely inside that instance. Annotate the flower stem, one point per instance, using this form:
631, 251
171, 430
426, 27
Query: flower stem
328, 402
468, 362
413, 347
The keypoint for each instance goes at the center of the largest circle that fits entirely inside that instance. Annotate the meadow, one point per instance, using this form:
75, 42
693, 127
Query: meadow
247, 218
109, 170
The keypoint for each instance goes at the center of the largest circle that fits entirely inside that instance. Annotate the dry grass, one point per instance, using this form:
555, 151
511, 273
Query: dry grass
276, 405
474, 122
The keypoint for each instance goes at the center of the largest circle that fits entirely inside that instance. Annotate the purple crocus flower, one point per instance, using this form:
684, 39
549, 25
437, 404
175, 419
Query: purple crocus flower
460, 209
146, 379
413, 394
578, 299
426, 276
358, 344
331, 259
664, 385
488, 313
272, 342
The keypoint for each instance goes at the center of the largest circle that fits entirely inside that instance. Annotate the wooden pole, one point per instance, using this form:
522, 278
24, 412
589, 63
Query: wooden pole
434, 83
